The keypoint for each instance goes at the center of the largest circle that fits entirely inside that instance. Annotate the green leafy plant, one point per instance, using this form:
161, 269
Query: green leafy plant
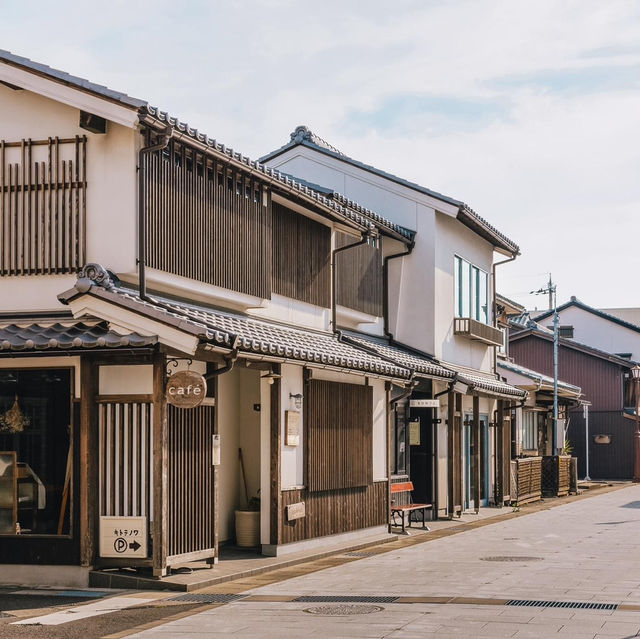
254, 502
567, 449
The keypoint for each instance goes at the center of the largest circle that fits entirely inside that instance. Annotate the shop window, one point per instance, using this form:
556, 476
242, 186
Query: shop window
35, 452
529, 431
399, 443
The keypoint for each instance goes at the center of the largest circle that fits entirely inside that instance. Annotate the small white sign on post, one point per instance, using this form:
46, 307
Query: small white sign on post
124, 537
424, 403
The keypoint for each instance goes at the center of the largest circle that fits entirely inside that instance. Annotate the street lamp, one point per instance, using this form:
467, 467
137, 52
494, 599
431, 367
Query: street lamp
635, 373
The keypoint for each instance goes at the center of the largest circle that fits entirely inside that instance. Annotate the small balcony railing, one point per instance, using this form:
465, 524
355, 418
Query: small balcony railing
475, 330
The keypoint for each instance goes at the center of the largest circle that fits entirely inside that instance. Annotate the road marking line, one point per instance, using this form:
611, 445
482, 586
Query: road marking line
102, 607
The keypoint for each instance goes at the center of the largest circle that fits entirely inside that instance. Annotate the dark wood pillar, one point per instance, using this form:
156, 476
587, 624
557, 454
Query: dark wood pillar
275, 534
458, 488
475, 462
390, 433
450, 452
160, 470
87, 442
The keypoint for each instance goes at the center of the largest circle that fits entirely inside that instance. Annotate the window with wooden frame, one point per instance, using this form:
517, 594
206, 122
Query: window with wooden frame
301, 257
339, 435
42, 206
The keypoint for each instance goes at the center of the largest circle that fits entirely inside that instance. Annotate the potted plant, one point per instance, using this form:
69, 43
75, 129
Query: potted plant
248, 524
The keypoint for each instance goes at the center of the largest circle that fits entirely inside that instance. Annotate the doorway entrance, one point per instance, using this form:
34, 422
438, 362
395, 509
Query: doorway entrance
470, 458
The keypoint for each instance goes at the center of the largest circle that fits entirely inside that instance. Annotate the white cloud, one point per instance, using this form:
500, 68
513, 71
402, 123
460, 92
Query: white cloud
554, 166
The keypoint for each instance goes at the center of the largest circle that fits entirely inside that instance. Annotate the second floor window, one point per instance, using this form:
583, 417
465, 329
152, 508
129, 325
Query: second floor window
471, 291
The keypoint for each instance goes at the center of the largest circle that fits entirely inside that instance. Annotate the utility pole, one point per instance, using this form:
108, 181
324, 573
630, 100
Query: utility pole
551, 291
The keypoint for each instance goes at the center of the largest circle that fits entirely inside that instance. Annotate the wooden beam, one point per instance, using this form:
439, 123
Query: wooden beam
160, 443
475, 462
458, 457
275, 455
450, 448
87, 484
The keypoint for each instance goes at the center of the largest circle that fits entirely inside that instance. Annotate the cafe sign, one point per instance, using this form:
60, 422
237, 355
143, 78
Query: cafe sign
186, 389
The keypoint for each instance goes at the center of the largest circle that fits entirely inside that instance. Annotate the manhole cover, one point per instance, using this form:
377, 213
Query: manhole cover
342, 610
505, 558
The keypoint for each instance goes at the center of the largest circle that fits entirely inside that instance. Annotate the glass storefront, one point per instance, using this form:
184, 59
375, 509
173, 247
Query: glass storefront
35, 451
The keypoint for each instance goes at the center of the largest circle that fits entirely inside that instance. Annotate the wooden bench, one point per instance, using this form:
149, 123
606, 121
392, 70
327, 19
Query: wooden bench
409, 508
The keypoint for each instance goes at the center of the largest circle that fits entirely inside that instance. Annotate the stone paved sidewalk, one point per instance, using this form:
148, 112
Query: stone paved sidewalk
583, 551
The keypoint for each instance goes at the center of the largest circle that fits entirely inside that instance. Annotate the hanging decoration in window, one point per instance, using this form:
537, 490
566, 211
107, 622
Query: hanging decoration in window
13, 420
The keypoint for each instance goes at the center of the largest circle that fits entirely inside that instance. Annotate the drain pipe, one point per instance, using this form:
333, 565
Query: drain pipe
385, 288
494, 306
229, 360
142, 210
366, 236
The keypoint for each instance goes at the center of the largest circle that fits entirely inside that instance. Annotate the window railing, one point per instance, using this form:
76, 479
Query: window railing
477, 331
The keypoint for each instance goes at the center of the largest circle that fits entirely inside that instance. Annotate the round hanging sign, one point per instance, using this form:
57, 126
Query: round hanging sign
186, 389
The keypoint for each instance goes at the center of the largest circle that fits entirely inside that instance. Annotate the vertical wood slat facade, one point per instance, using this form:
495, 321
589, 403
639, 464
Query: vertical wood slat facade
333, 512
125, 437
359, 276
207, 221
42, 206
339, 425
301, 257
190, 481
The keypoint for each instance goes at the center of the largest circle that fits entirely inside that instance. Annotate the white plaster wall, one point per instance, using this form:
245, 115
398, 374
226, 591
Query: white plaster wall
286, 309
453, 238
111, 192
598, 332
125, 380
229, 480
292, 457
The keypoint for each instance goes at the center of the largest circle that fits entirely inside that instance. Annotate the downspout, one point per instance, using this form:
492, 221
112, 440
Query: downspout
494, 306
385, 288
366, 236
229, 360
142, 210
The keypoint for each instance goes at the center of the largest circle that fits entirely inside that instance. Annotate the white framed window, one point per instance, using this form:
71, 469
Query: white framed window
471, 285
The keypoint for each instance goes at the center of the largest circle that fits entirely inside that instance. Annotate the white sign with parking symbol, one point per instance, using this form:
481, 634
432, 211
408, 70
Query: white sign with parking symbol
123, 537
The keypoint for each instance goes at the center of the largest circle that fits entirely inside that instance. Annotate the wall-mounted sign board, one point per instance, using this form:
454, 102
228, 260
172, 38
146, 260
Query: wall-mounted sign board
296, 511
123, 537
414, 432
424, 403
291, 428
186, 389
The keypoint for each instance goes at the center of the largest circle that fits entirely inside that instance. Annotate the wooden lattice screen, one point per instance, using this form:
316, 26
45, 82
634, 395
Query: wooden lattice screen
42, 206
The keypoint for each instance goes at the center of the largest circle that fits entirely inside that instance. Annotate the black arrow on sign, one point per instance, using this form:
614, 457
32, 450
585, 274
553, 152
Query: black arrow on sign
134, 546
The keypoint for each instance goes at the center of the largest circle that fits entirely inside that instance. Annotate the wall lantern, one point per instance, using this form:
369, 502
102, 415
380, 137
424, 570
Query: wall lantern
297, 399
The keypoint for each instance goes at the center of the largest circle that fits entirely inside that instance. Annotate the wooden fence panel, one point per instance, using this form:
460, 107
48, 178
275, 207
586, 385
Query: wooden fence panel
43, 206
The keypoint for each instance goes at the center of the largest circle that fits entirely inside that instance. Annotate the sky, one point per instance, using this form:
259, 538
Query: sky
527, 111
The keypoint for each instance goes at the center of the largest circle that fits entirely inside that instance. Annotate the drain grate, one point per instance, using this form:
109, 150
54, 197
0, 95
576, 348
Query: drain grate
207, 598
343, 610
582, 605
359, 554
344, 598
511, 558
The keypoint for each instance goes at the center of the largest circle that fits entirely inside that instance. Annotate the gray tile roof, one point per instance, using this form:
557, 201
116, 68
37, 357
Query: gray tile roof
21, 336
344, 208
422, 364
305, 137
426, 366
73, 80
251, 336
538, 377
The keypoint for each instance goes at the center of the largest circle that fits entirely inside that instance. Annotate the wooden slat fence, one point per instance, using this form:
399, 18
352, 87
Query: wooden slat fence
42, 206
301, 257
190, 482
359, 276
334, 511
339, 419
526, 480
125, 459
206, 221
